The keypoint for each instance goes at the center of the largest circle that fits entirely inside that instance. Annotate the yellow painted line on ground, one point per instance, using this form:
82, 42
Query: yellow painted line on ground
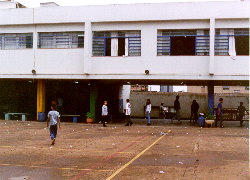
132, 160
44, 167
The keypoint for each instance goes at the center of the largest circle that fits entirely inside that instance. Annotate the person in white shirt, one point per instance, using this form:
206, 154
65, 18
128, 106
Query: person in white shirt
104, 113
148, 111
128, 113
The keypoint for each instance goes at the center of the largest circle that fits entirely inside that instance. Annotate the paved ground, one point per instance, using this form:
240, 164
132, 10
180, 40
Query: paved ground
123, 153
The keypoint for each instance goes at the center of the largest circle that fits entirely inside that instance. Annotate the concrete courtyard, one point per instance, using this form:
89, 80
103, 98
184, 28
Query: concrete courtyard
163, 151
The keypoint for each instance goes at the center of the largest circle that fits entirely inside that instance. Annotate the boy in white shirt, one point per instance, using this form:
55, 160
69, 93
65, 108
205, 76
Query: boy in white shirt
104, 113
128, 113
52, 122
148, 111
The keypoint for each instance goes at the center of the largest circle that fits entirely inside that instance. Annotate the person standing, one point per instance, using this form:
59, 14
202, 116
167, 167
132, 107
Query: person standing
219, 113
104, 113
148, 111
128, 113
194, 111
241, 110
177, 108
162, 111
52, 122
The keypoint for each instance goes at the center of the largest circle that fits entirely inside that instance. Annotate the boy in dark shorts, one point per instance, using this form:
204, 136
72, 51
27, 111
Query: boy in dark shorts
219, 113
52, 122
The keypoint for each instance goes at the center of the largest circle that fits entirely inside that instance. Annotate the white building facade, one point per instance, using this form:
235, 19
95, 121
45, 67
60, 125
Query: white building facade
198, 43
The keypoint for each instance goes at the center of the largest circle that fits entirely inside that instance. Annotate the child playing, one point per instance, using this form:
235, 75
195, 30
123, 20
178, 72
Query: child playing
52, 121
104, 113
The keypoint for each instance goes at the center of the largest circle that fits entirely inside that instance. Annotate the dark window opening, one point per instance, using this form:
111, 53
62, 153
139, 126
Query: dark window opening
108, 47
29, 42
182, 45
121, 46
80, 43
242, 45
225, 87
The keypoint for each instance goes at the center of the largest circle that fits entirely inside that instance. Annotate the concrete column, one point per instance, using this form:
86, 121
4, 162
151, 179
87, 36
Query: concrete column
35, 43
93, 98
148, 51
210, 97
211, 49
40, 96
87, 46
124, 93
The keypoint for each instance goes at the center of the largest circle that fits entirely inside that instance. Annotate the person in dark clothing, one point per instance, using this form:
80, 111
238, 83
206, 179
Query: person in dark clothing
177, 108
194, 112
241, 110
219, 112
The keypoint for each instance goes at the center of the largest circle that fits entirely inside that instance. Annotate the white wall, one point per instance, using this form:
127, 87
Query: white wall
158, 65
134, 12
124, 93
148, 18
16, 61
45, 61
225, 65
59, 61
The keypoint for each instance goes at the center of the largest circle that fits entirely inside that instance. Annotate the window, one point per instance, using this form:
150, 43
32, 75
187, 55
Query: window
225, 87
61, 40
183, 42
16, 41
182, 45
246, 87
232, 42
242, 41
236, 91
127, 43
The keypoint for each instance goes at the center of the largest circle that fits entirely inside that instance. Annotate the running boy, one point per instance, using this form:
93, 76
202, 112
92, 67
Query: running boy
52, 122
104, 113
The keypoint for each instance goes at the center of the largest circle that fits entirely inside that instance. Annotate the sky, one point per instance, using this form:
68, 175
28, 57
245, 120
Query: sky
36, 3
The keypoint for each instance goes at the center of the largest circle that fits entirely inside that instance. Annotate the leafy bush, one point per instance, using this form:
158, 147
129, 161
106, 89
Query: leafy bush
89, 115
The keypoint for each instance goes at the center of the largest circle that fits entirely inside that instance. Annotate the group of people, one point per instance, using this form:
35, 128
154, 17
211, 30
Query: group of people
53, 121
127, 112
195, 109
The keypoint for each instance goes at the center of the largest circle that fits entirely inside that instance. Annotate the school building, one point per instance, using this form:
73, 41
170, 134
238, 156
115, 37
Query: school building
82, 55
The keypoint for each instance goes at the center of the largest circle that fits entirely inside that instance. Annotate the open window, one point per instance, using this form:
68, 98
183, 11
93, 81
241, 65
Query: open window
108, 47
182, 45
183, 42
242, 45
121, 46
125, 43
232, 42
80, 41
